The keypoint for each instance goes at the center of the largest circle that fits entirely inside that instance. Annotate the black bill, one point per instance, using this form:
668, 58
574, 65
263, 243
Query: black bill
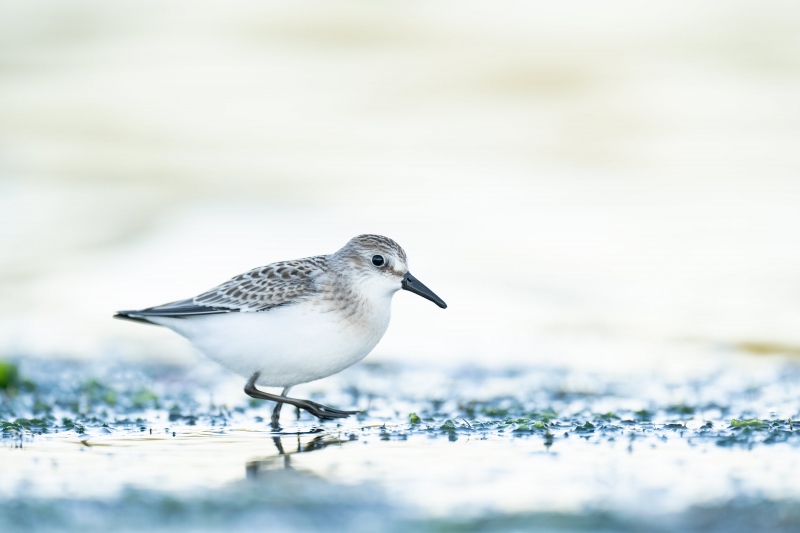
412, 284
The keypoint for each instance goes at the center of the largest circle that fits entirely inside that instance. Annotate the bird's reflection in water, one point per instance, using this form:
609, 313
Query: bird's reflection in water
288, 446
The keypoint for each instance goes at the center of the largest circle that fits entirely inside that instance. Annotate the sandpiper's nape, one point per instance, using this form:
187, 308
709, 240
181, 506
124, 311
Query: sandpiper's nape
296, 321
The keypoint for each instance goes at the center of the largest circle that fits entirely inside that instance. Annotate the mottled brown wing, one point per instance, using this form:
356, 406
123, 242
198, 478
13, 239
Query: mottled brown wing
266, 287
259, 289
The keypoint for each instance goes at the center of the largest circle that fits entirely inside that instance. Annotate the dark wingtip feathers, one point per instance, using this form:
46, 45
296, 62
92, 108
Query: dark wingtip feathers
130, 315
179, 309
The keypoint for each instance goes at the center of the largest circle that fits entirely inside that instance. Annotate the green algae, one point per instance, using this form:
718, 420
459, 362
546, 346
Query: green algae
99, 393
607, 416
448, 425
9, 376
70, 424
10, 429
529, 426
681, 409
494, 411
11, 380
106, 401
753, 423
144, 398
545, 415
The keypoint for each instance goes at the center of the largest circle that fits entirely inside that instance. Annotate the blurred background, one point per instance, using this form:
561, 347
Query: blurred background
612, 185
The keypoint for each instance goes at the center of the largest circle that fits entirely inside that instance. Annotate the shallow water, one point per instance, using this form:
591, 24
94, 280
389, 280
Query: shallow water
442, 449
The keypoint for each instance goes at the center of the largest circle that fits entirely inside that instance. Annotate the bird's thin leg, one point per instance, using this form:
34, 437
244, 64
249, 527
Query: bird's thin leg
279, 445
276, 413
316, 409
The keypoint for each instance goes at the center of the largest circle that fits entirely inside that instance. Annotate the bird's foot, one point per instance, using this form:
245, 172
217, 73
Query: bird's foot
324, 412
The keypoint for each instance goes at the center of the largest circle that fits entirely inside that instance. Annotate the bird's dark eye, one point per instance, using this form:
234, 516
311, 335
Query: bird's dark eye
377, 260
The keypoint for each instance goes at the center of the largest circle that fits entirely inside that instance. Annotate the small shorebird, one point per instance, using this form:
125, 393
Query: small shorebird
297, 321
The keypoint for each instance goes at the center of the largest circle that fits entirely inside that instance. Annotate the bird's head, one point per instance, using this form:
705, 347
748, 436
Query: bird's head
380, 266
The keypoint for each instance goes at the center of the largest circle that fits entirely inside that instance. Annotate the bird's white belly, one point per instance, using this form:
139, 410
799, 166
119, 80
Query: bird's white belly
287, 345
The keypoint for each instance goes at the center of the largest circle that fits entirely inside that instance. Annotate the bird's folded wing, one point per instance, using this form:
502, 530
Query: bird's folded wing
259, 289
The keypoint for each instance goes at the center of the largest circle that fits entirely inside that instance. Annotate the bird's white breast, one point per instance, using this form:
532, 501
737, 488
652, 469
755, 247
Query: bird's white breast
287, 345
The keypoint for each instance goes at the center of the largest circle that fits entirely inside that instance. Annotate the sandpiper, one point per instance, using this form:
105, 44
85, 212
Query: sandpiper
292, 322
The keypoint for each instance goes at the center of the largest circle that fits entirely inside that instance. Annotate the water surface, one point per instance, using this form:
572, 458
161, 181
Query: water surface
461, 448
